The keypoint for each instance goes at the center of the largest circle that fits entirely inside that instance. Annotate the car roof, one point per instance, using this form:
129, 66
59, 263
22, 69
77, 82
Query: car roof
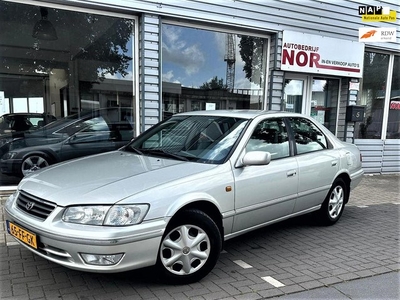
23, 114
245, 114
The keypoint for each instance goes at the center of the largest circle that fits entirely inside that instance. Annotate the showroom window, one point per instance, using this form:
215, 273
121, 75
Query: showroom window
207, 70
373, 95
65, 63
393, 126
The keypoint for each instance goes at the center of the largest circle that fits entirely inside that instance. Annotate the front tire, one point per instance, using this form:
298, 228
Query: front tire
189, 248
333, 206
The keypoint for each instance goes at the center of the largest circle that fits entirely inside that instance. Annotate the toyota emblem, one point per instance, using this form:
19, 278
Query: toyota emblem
29, 205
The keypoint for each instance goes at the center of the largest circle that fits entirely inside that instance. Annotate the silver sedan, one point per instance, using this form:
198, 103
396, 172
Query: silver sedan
173, 195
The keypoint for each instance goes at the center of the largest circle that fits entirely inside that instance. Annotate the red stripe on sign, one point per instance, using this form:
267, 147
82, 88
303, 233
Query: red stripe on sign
339, 68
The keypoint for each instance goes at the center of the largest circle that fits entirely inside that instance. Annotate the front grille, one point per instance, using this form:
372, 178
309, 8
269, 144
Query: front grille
34, 206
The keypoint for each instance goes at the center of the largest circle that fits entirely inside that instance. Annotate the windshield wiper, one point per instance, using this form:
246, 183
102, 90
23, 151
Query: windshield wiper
165, 153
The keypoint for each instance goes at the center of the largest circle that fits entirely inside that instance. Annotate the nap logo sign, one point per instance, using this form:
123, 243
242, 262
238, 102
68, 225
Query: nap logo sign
372, 10
377, 14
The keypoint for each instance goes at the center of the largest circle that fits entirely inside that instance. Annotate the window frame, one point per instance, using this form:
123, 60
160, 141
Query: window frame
293, 139
287, 132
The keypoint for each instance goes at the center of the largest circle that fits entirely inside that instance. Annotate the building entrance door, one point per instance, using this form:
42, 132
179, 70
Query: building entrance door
294, 96
324, 104
317, 97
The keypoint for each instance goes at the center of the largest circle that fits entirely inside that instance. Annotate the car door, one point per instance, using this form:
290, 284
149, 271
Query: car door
318, 163
266, 192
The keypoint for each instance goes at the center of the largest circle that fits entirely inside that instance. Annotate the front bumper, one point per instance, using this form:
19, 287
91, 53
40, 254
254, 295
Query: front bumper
63, 243
10, 166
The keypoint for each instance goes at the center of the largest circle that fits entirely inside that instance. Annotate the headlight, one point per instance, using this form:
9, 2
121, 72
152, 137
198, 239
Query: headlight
9, 155
4, 141
117, 215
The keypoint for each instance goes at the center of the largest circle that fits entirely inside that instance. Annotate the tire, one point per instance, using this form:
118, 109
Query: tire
33, 163
189, 248
333, 206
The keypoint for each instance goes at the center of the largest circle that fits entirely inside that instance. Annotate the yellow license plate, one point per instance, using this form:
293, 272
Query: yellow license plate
22, 234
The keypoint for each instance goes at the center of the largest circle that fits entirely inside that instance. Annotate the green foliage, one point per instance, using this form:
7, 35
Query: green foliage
375, 71
251, 52
98, 43
214, 84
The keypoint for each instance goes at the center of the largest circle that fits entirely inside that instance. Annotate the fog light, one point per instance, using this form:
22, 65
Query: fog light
102, 259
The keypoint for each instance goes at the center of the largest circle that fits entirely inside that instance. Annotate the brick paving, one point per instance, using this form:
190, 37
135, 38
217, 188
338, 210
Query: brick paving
298, 254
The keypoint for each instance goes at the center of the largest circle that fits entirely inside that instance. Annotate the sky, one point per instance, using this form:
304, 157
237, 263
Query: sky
192, 57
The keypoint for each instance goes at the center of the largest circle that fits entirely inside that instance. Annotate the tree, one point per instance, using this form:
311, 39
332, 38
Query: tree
99, 41
214, 84
251, 52
375, 71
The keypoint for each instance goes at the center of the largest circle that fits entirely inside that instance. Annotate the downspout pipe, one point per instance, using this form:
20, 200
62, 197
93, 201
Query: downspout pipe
271, 77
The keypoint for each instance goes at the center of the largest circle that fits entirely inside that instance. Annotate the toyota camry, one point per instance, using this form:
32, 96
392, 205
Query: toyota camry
173, 195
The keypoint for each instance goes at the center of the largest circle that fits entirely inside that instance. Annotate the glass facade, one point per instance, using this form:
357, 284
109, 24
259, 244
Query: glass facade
293, 95
65, 64
373, 92
393, 126
204, 69
324, 102
59, 65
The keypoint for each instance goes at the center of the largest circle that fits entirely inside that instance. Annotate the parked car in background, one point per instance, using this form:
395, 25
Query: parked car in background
14, 125
174, 194
20, 122
71, 137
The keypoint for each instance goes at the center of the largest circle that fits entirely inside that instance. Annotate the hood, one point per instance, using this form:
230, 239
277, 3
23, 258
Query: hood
40, 137
105, 178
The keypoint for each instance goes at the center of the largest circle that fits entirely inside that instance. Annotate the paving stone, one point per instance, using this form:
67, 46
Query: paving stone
311, 284
297, 252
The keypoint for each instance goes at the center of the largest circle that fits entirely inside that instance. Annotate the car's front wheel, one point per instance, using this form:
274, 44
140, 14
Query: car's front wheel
33, 163
333, 206
190, 248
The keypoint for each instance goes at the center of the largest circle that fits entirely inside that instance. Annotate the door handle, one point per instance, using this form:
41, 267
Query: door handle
291, 173
334, 163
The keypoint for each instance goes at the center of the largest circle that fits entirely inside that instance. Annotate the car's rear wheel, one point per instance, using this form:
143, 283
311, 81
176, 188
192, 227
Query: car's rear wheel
33, 163
333, 206
189, 249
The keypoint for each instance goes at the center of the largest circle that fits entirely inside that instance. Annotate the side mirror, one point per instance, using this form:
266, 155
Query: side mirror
71, 139
256, 158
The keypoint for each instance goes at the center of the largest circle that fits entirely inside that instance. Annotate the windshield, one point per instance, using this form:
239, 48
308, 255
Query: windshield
207, 139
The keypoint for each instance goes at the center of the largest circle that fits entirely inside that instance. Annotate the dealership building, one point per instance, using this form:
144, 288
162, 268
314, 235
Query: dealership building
337, 61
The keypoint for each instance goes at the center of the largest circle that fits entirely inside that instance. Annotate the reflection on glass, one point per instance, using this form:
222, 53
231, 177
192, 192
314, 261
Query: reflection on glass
293, 95
393, 129
203, 69
204, 139
373, 95
324, 102
88, 67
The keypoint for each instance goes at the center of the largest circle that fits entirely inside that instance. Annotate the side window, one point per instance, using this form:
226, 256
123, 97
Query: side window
270, 136
95, 125
307, 136
93, 130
